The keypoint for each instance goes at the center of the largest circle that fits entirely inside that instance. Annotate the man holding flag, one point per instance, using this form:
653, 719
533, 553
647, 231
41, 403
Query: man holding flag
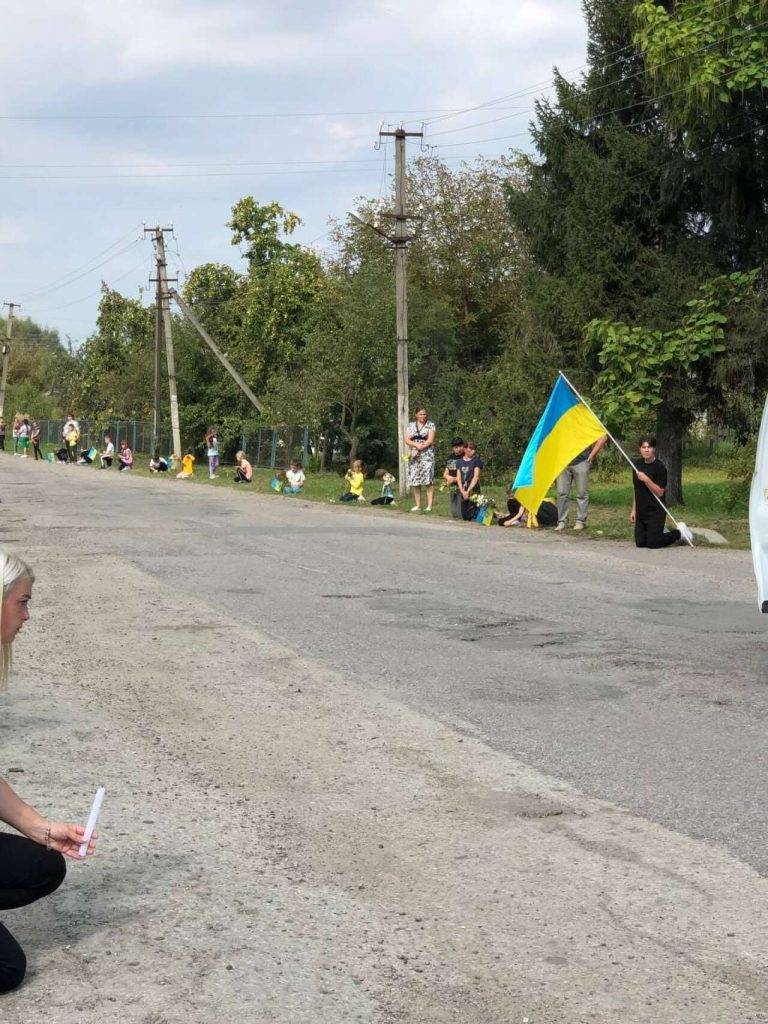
577, 471
569, 428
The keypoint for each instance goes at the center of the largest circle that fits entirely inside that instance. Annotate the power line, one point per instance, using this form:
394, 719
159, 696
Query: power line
75, 275
200, 163
618, 81
194, 174
91, 295
529, 90
215, 116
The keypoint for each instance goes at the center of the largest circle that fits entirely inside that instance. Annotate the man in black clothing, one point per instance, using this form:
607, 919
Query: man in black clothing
650, 480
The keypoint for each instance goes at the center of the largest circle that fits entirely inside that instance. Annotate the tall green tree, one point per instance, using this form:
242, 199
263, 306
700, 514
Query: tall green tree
709, 64
612, 236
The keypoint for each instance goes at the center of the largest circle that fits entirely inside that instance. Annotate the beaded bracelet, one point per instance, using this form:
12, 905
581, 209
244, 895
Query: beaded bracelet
48, 837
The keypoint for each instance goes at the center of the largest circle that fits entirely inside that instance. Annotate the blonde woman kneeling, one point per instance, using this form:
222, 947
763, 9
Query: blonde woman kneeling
32, 863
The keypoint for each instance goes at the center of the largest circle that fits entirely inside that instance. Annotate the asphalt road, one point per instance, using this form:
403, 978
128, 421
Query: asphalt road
640, 677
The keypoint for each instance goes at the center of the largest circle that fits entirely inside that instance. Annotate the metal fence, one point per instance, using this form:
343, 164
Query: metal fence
272, 447
138, 433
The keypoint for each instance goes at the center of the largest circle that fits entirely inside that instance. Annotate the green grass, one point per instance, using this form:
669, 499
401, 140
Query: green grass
707, 492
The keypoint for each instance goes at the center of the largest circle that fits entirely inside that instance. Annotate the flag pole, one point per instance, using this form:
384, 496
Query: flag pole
631, 463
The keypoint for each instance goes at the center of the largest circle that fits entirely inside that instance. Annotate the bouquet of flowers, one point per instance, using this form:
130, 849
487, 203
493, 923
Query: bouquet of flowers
485, 507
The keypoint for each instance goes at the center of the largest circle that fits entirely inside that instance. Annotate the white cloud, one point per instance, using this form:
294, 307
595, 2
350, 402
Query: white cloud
129, 39
460, 23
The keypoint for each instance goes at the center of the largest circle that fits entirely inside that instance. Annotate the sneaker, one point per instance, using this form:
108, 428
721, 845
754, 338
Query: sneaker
579, 526
428, 508
560, 527
416, 508
685, 533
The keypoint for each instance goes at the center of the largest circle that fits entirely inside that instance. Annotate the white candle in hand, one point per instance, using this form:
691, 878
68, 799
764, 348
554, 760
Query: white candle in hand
92, 817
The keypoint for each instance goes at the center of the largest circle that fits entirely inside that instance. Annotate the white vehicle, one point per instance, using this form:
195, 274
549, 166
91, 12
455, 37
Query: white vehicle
758, 514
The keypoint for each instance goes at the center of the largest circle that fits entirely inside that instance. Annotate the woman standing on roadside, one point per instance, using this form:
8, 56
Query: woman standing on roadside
31, 864
420, 440
35, 438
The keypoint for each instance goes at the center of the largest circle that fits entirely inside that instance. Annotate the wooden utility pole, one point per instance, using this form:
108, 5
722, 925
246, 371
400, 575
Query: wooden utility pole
158, 331
400, 239
164, 304
216, 351
6, 350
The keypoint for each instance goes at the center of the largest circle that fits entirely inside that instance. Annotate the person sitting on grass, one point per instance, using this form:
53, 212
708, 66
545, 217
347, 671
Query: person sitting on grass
355, 477
187, 466
387, 496
295, 478
467, 478
450, 476
125, 457
518, 514
157, 464
244, 471
108, 455
647, 515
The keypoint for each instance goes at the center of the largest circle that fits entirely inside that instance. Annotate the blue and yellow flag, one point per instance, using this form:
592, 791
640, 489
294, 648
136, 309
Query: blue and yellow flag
566, 428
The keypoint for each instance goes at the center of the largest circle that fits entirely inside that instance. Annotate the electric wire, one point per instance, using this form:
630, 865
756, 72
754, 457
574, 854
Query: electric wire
529, 90
618, 81
91, 295
75, 275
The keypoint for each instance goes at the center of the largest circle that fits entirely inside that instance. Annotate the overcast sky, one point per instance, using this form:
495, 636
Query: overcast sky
84, 165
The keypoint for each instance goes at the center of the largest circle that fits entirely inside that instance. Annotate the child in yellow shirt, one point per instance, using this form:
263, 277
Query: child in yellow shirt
187, 466
355, 478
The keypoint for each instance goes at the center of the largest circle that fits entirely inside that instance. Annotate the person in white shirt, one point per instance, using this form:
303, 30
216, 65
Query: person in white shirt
108, 454
294, 478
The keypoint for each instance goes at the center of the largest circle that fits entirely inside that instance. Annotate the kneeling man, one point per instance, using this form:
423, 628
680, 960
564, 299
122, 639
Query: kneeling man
649, 518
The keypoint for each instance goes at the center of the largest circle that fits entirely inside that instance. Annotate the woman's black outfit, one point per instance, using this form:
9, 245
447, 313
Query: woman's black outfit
650, 517
36, 447
240, 477
27, 873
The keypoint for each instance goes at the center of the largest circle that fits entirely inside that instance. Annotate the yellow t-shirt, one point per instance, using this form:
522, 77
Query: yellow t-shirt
188, 463
356, 481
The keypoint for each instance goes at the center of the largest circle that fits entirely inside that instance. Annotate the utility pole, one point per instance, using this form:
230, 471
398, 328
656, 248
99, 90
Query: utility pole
6, 350
163, 299
400, 239
158, 331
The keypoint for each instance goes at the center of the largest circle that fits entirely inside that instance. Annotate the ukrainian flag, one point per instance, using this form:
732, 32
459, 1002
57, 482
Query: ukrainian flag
566, 428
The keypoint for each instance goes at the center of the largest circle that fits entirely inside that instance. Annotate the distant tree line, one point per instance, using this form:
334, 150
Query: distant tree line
628, 249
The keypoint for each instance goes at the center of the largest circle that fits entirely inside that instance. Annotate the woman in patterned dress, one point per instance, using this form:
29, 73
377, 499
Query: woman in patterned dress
420, 440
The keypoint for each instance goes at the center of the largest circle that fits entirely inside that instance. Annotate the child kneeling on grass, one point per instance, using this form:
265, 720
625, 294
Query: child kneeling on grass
355, 477
124, 457
187, 466
157, 464
387, 496
295, 478
244, 471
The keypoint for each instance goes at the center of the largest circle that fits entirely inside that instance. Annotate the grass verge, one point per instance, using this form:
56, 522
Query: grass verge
707, 492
